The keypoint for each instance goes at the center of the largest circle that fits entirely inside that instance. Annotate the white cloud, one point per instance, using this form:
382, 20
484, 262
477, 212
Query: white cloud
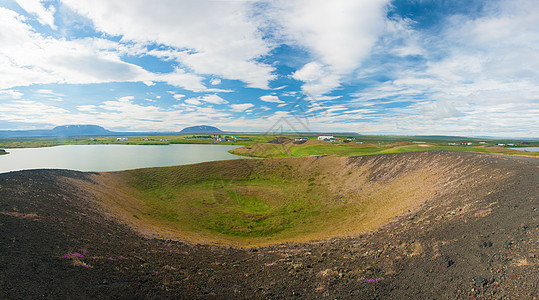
339, 35
25, 111
220, 37
87, 108
27, 57
312, 71
214, 99
439, 110
183, 79
241, 107
193, 101
271, 98
218, 91
480, 76
120, 114
321, 98
126, 99
318, 79
11, 94
48, 92
50, 95
45, 16
400, 39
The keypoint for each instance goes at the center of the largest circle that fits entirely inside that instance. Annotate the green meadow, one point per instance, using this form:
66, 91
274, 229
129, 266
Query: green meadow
258, 146
256, 202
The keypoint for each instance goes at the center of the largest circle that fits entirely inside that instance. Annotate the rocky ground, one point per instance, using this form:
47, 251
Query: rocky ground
56, 243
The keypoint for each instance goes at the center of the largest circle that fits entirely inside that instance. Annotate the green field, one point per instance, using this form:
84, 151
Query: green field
255, 202
348, 150
258, 146
230, 199
313, 147
131, 140
339, 150
137, 140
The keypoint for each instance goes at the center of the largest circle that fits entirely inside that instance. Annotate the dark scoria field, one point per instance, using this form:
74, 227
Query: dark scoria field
476, 238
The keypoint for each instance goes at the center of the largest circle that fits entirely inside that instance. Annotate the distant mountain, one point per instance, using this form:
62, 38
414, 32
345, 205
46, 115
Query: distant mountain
201, 129
59, 131
80, 130
95, 130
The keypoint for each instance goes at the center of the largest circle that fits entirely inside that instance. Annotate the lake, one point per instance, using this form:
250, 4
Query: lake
111, 157
529, 149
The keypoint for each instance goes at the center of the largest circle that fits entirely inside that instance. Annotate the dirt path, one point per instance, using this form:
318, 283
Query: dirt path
286, 150
56, 243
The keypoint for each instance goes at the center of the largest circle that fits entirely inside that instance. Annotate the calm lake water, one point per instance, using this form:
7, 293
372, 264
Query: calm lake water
530, 149
111, 157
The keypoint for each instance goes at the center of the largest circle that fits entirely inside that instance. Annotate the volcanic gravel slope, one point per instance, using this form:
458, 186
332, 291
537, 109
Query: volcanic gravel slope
55, 242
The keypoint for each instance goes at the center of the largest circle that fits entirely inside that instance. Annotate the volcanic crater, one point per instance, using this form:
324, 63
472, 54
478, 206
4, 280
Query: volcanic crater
433, 224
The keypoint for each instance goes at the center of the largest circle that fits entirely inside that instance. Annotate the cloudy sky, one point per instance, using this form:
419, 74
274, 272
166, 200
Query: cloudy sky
459, 67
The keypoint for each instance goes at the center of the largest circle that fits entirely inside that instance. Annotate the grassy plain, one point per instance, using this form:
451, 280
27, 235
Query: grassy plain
314, 147
136, 140
258, 146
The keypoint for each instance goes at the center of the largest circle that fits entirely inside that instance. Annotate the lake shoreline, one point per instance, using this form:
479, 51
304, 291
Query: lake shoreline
111, 157
527, 149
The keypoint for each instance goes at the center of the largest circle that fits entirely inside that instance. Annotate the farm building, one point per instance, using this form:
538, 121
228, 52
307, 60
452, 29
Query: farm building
327, 138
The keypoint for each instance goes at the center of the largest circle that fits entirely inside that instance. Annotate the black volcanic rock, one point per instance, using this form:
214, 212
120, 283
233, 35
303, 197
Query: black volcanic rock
205, 129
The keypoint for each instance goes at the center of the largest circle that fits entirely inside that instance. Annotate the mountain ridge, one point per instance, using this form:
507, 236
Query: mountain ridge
200, 129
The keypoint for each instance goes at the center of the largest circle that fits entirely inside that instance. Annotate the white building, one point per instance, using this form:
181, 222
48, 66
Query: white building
121, 139
327, 138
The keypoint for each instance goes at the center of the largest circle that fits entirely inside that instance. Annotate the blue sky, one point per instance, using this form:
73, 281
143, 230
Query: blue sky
407, 67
